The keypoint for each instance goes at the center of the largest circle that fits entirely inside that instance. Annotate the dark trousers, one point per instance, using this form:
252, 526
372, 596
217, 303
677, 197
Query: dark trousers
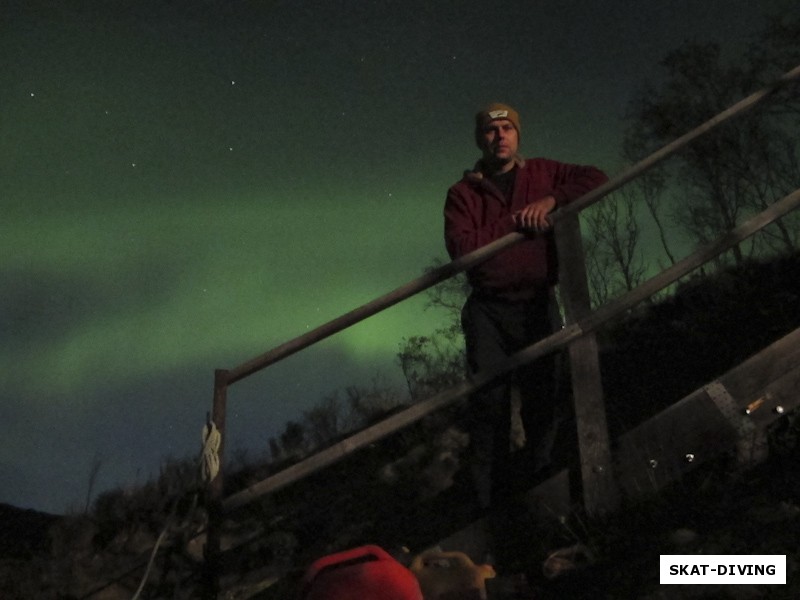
495, 329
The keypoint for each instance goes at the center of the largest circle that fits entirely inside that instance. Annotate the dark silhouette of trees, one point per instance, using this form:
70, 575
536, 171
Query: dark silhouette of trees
744, 165
335, 415
435, 362
614, 259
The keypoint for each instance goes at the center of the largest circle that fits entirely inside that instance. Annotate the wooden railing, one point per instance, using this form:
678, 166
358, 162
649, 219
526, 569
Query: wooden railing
599, 488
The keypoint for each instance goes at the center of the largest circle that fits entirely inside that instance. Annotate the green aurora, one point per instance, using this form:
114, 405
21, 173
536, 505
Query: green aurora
187, 185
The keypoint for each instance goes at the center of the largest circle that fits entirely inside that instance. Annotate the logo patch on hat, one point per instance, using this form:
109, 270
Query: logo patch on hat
498, 114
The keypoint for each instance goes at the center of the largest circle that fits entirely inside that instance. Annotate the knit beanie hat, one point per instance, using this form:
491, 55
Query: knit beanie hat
492, 112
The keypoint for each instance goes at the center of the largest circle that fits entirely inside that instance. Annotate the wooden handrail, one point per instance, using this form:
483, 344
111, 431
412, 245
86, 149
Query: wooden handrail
468, 261
550, 344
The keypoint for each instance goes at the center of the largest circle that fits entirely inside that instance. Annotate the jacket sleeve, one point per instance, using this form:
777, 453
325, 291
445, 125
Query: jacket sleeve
463, 230
570, 182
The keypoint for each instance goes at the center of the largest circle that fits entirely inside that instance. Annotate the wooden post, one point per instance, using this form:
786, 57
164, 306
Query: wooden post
600, 493
216, 492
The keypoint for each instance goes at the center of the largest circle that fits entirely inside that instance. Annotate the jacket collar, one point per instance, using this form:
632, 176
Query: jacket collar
478, 172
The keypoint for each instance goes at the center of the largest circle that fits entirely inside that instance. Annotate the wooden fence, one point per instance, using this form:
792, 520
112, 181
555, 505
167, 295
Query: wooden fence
600, 489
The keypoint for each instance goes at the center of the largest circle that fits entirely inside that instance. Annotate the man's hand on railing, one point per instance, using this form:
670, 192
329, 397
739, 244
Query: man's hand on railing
534, 216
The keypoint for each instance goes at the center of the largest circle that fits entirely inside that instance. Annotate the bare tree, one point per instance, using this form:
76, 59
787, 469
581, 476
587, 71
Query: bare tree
614, 256
450, 294
697, 87
368, 404
650, 188
434, 362
324, 421
741, 167
599, 270
776, 51
293, 440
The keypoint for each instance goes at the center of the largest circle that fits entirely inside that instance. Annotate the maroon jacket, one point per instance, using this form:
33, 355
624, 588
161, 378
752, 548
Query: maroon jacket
476, 213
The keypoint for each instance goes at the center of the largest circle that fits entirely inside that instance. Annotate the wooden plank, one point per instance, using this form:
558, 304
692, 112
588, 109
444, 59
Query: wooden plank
599, 489
758, 371
699, 428
776, 399
664, 448
597, 479
667, 440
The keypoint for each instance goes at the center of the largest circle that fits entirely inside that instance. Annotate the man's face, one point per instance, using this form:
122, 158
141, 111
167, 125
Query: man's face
499, 141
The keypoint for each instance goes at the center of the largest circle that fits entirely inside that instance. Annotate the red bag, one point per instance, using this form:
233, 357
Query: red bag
364, 573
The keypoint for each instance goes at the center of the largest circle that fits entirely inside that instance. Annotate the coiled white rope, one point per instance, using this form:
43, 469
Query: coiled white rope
210, 456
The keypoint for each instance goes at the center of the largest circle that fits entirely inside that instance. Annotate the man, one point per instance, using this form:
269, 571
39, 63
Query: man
512, 304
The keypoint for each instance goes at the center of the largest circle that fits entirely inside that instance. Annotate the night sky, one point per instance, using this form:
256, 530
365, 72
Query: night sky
186, 184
